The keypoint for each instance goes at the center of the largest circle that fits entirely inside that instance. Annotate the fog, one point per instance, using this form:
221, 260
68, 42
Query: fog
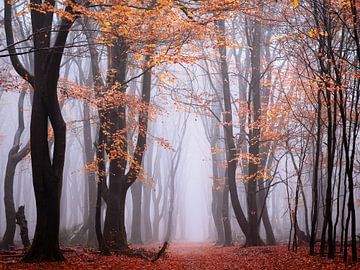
193, 220
239, 133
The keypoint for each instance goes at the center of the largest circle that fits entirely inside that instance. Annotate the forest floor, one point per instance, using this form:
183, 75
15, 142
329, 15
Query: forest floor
189, 256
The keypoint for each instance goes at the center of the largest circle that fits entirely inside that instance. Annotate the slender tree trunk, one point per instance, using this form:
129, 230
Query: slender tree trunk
315, 207
229, 141
14, 157
216, 207
147, 188
136, 192
270, 238
217, 198
148, 232
254, 136
225, 214
91, 181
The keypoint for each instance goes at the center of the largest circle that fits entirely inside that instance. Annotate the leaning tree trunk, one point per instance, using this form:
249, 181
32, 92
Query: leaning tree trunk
264, 215
14, 157
231, 154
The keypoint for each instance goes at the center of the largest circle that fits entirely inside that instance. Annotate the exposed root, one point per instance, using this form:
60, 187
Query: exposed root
161, 252
146, 254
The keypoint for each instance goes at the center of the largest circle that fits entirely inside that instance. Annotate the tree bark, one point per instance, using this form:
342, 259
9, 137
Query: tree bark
14, 157
91, 181
47, 171
231, 157
136, 192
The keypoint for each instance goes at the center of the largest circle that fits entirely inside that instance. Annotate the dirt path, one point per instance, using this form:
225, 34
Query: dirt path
193, 256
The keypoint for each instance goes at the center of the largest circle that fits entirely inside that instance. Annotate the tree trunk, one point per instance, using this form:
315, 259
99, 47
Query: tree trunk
119, 181
22, 222
216, 207
114, 226
14, 157
91, 181
47, 175
270, 238
146, 213
136, 192
217, 197
47, 171
225, 215
254, 136
315, 207
229, 139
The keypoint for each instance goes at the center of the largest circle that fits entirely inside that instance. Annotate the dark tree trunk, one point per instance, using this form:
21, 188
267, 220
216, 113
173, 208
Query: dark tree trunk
8, 238
225, 214
47, 174
338, 199
114, 226
14, 157
47, 171
104, 249
216, 207
315, 179
254, 135
264, 215
22, 222
100, 140
270, 238
231, 155
119, 181
217, 192
330, 165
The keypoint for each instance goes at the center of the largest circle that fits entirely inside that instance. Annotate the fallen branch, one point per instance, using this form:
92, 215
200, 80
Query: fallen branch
140, 253
161, 252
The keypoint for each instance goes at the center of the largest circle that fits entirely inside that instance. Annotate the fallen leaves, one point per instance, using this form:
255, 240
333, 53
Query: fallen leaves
195, 256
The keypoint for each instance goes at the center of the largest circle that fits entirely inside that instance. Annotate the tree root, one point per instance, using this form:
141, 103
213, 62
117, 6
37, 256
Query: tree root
145, 254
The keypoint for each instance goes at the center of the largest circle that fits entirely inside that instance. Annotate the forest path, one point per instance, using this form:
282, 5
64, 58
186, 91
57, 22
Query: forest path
194, 256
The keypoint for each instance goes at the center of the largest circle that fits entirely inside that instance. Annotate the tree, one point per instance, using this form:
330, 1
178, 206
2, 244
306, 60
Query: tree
16, 154
47, 170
